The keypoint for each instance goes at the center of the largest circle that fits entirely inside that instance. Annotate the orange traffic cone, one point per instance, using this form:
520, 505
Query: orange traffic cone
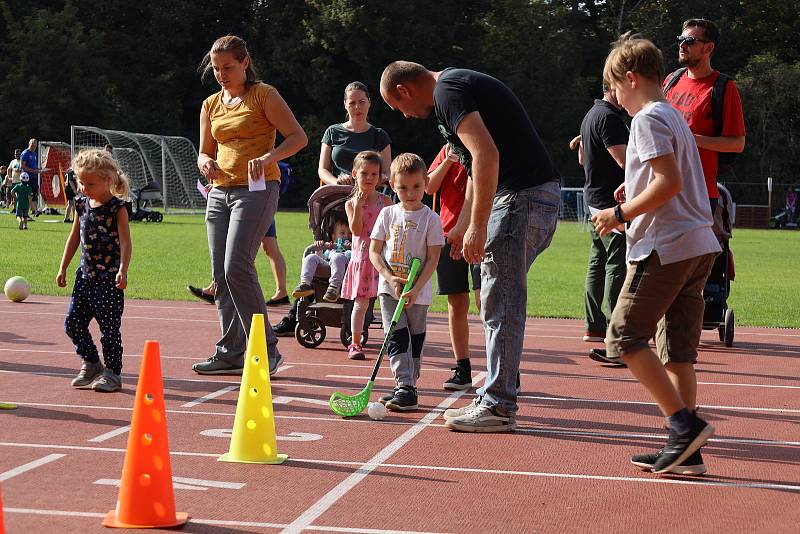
2, 528
253, 440
146, 498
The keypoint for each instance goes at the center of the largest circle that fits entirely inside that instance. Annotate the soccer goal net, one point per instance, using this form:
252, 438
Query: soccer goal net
170, 161
572, 206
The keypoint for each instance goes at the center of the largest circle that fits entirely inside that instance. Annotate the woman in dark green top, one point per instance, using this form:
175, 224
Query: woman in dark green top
341, 142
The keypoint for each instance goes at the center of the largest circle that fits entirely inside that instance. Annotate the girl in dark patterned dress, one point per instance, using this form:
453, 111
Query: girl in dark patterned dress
101, 229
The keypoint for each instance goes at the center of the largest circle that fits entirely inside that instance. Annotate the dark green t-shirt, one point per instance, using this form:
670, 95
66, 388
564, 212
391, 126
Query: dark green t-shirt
346, 144
23, 192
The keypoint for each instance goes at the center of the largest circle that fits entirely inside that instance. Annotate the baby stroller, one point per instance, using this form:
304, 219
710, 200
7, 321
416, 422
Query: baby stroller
314, 314
717, 315
144, 197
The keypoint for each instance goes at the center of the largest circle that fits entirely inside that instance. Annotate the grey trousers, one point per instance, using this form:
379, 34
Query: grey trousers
407, 341
236, 220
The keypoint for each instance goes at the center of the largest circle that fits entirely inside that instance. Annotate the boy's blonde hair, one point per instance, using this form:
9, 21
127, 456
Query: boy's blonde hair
631, 52
408, 163
99, 161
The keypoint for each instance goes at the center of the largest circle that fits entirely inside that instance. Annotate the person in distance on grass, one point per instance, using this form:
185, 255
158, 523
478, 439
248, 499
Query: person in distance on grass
402, 232
101, 230
601, 152
30, 164
671, 248
514, 193
448, 178
239, 158
22, 192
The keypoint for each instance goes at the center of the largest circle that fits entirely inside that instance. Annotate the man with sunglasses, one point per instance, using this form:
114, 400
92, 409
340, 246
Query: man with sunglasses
691, 94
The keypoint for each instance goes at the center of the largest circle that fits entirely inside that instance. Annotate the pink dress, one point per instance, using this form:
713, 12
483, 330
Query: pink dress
361, 278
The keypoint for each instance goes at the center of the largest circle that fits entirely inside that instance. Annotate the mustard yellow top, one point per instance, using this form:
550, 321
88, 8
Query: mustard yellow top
242, 133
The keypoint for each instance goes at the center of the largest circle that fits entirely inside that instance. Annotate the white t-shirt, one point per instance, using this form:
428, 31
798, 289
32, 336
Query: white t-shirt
681, 228
407, 234
15, 170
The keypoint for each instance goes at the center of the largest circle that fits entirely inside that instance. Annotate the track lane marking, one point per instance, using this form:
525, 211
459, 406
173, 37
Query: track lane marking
111, 434
24, 468
361, 465
216, 522
209, 396
313, 512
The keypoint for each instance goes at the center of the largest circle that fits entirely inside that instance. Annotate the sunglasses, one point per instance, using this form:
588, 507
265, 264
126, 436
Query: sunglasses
688, 40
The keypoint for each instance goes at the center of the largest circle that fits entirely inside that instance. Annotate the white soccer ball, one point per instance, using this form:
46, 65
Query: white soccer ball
17, 289
376, 411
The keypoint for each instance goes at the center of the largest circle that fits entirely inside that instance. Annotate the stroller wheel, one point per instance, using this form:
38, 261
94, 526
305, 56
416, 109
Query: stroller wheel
312, 336
729, 327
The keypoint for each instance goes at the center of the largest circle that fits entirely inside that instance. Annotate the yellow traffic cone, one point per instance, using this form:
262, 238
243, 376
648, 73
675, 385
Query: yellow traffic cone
253, 440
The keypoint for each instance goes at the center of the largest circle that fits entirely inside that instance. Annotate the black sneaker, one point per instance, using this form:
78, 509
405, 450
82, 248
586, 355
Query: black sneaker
680, 446
693, 465
403, 400
601, 355
460, 380
386, 398
285, 328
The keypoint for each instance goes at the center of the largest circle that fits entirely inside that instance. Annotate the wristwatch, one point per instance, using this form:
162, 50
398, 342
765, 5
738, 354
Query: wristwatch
618, 214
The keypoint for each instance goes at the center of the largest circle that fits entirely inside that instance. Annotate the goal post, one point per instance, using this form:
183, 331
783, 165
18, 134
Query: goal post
170, 161
572, 206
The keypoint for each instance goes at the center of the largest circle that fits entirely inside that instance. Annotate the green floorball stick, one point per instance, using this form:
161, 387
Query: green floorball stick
7, 406
350, 405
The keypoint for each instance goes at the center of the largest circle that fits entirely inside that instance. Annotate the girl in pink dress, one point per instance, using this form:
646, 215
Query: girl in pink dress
361, 279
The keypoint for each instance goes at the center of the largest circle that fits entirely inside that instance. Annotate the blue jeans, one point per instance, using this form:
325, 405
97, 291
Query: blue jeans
524, 221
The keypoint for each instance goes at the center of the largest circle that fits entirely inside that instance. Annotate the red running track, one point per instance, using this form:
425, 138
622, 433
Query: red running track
564, 470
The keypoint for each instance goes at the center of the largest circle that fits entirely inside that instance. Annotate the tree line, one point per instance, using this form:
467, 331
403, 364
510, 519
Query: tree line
132, 66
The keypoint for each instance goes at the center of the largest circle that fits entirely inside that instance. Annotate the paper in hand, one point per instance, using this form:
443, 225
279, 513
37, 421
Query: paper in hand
202, 189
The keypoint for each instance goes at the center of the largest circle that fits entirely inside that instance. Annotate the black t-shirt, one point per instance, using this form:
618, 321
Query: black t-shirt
524, 161
601, 128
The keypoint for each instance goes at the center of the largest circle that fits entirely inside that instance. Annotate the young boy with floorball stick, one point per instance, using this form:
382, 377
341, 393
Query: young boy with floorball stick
671, 249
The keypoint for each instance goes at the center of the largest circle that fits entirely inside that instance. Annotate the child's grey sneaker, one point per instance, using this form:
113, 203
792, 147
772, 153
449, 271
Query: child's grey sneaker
302, 290
215, 366
277, 365
458, 412
331, 295
109, 382
89, 371
484, 419
403, 400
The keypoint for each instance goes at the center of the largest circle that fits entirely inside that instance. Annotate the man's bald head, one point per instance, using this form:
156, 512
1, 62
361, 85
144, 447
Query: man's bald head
399, 73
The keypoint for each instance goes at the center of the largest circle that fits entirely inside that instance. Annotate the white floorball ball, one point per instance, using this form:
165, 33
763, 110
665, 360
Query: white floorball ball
376, 411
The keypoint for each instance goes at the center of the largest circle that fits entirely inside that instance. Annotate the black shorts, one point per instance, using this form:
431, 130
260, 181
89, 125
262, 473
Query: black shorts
34, 189
453, 276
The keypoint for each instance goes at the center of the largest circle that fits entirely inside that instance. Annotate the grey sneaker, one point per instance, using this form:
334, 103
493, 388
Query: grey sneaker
89, 371
109, 382
332, 294
452, 413
215, 366
277, 365
484, 419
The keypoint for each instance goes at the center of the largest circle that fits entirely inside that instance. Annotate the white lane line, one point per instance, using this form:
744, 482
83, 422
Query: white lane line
648, 480
364, 468
112, 434
212, 395
524, 373
642, 403
216, 522
313, 512
24, 468
127, 317
196, 484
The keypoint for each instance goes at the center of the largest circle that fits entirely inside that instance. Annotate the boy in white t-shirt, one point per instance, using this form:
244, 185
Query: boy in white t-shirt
671, 249
401, 233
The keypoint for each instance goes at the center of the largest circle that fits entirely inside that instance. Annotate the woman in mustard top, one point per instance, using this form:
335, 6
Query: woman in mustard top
239, 159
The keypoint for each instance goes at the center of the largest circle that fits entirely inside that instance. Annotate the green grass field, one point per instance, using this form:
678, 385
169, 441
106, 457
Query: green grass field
169, 255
